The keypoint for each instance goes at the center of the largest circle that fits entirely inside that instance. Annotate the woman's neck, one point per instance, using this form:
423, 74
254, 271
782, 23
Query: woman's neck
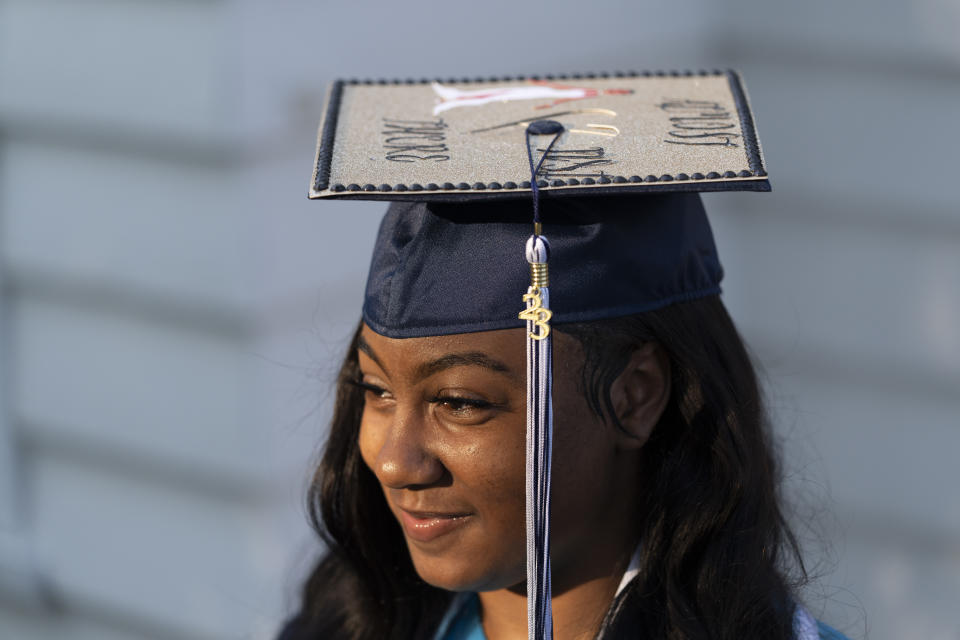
579, 606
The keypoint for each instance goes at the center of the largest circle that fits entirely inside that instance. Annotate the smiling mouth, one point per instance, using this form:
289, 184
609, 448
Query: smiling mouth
427, 526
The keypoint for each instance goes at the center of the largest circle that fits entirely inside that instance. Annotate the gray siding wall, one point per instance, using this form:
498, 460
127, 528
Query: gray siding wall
846, 281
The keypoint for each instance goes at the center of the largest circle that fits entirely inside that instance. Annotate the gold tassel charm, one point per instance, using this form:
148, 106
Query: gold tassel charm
536, 314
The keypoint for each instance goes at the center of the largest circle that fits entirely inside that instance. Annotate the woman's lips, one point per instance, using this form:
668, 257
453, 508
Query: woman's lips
426, 526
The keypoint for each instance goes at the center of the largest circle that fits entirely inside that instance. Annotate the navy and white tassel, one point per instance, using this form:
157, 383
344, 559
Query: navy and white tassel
539, 440
539, 405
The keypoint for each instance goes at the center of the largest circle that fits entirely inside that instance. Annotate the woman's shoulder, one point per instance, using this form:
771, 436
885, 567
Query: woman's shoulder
827, 632
806, 627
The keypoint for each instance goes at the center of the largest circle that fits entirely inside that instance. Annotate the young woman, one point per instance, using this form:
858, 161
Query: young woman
667, 521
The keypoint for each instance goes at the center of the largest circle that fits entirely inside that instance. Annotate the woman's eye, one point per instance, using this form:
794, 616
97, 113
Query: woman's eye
373, 390
461, 404
463, 407
379, 392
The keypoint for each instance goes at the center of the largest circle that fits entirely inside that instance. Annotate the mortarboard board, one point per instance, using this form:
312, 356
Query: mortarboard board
456, 140
609, 164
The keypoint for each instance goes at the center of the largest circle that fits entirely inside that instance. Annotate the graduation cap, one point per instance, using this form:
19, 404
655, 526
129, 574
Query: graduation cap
482, 171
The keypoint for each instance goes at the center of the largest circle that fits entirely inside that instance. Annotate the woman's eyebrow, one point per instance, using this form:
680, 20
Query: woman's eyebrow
471, 358
364, 346
427, 369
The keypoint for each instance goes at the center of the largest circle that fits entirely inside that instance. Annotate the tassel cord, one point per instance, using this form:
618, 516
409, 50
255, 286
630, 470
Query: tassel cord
539, 449
535, 170
539, 405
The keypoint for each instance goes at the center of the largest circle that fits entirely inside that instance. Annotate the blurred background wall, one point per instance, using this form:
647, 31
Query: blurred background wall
172, 308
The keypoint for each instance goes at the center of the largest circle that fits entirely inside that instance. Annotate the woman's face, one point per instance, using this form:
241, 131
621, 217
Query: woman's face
443, 430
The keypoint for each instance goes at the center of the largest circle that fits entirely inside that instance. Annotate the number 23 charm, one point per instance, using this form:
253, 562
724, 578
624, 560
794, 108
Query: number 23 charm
536, 314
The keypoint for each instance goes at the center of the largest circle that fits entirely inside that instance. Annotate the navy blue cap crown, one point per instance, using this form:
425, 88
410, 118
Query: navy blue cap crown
441, 268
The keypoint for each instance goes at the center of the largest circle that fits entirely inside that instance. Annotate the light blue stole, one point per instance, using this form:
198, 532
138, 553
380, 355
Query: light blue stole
463, 623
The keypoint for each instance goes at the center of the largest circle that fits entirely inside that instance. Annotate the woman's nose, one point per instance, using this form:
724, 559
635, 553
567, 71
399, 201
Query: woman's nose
406, 459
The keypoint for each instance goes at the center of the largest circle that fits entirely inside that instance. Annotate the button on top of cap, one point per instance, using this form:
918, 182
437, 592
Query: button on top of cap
544, 127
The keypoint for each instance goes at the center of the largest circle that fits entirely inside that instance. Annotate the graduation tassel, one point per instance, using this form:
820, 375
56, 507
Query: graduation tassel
539, 440
539, 407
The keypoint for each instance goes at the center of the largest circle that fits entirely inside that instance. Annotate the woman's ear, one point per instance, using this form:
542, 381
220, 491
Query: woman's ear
640, 393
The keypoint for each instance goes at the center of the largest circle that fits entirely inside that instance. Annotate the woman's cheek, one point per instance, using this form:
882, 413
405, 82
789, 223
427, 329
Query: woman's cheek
502, 480
370, 438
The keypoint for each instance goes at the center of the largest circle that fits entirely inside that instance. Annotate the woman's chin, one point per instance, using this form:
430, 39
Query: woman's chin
464, 573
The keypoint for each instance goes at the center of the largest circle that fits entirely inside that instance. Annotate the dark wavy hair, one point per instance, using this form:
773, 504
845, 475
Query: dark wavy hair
717, 554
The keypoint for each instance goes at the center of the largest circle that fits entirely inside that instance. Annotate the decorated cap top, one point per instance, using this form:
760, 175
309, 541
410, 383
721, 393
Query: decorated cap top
456, 140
